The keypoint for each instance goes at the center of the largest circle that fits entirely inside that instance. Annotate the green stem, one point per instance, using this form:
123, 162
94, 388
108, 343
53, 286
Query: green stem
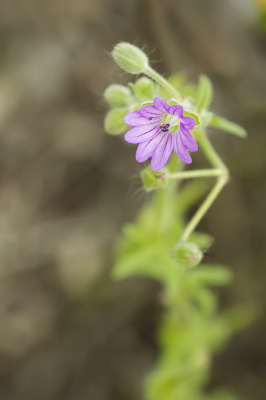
208, 149
165, 198
218, 164
196, 174
205, 206
163, 82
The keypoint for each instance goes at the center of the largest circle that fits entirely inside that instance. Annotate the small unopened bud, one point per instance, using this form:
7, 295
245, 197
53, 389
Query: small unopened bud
118, 95
143, 89
114, 121
154, 180
188, 254
130, 58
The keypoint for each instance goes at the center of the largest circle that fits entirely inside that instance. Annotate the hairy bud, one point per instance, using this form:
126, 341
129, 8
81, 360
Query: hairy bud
188, 254
130, 58
118, 95
154, 180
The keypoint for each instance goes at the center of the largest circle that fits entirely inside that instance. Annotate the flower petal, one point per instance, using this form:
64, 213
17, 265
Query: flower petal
146, 149
162, 152
180, 149
141, 134
160, 104
135, 119
187, 139
176, 110
188, 121
150, 112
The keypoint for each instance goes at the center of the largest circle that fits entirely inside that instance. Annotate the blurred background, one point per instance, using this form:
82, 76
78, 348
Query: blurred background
67, 331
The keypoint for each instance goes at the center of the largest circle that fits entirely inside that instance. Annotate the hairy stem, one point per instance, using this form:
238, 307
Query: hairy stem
219, 170
205, 206
208, 149
201, 173
163, 82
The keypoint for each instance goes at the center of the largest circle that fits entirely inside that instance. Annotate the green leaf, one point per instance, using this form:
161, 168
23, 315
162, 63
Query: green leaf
179, 82
228, 126
241, 316
203, 240
114, 121
221, 395
145, 261
204, 93
212, 275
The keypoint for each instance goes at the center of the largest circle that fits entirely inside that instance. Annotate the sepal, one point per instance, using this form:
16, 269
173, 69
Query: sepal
154, 180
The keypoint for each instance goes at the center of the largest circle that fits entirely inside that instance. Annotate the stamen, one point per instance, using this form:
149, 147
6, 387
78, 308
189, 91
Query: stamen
165, 127
150, 118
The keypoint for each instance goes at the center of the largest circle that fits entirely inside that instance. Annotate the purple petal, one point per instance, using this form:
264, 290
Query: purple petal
188, 121
141, 134
135, 119
187, 139
143, 152
150, 112
180, 149
160, 104
146, 149
176, 110
162, 152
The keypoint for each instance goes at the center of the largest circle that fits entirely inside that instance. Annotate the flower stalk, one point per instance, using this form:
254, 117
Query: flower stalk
205, 205
200, 173
163, 82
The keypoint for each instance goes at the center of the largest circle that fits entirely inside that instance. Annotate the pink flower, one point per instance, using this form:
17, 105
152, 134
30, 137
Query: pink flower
160, 128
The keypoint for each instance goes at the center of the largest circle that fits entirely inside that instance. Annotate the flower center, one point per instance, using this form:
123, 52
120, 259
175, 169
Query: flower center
169, 123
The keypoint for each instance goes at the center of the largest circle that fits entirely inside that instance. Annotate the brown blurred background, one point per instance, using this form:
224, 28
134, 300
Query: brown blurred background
67, 332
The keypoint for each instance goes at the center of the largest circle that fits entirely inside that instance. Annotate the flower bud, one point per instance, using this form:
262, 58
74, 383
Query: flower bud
118, 95
188, 254
143, 89
154, 180
114, 121
130, 58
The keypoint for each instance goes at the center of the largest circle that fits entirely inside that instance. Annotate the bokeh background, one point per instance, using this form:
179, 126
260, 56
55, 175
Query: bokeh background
67, 331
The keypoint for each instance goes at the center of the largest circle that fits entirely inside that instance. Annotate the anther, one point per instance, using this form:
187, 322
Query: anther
165, 127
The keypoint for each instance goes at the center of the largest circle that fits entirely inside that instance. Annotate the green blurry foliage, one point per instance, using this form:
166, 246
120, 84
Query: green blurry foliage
204, 93
192, 328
